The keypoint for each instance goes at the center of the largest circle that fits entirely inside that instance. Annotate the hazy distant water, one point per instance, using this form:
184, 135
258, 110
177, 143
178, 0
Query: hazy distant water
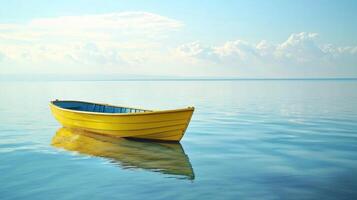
247, 140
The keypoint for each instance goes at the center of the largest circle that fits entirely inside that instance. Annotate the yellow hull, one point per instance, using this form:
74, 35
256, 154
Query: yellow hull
169, 125
166, 158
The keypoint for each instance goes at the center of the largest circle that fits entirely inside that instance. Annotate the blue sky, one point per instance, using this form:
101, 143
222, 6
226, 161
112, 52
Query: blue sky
195, 38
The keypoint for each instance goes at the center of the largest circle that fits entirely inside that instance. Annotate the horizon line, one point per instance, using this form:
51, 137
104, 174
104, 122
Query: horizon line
181, 79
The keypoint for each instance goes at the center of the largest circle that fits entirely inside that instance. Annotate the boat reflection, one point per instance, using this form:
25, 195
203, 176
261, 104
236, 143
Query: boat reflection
166, 158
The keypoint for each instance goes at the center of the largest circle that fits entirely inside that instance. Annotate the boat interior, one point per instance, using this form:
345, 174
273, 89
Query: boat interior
92, 107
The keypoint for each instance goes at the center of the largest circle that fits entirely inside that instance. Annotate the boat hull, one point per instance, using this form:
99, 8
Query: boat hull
167, 125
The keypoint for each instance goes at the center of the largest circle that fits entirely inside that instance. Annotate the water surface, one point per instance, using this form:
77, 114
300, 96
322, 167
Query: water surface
247, 140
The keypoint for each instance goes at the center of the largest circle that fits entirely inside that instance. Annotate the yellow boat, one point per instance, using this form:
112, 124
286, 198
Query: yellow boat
165, 158
168, 125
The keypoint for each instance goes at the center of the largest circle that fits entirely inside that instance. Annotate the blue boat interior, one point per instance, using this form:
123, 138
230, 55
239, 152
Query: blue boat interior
92, 107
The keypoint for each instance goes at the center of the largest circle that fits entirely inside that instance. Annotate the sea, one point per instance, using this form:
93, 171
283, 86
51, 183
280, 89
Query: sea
248, 139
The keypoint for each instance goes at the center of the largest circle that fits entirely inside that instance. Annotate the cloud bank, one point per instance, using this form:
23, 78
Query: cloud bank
143, 43
299, 50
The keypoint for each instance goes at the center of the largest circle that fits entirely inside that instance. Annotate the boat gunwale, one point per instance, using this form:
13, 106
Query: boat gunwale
150, 112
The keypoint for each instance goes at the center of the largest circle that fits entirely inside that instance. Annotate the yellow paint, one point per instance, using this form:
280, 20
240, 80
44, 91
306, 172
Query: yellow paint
169, 125
166, 158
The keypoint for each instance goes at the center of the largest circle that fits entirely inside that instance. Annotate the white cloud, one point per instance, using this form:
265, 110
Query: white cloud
299, 50
300, 47
101, 26
115, 39
196, 50
112, 21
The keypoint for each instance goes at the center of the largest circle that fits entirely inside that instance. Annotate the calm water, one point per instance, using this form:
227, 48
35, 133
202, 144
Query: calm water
246, 140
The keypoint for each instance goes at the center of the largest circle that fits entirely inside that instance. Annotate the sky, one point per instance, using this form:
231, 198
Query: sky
221, 38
